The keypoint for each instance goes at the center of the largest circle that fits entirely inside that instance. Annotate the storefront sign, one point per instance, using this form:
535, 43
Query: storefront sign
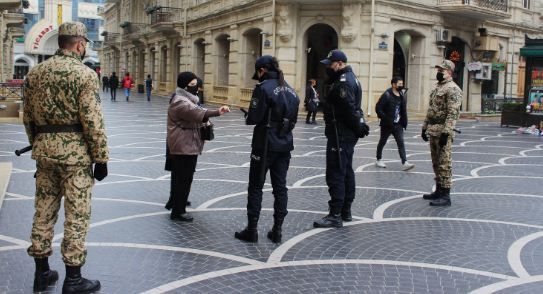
36, 43
475, 66
498, 66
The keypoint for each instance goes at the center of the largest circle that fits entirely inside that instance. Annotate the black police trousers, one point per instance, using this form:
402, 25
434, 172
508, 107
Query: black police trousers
397, 131
183, 168
277, 163
340, 178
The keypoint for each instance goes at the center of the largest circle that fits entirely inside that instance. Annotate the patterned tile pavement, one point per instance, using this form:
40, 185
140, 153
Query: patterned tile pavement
489, 241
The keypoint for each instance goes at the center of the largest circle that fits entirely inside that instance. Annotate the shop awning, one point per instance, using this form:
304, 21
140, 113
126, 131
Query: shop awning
533, 51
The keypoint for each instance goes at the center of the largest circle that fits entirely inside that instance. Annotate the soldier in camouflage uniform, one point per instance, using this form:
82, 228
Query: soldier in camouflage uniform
65, 126
445, 101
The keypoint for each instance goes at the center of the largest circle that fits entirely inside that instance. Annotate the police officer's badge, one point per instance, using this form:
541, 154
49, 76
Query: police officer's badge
254, 102
342, 92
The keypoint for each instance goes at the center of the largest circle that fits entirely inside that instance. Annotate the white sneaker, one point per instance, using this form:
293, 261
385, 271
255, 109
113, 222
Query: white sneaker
408, 166
379, 163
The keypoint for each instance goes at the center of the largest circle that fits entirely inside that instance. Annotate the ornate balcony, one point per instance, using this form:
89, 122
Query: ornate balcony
14, 18
477, 9
164, 18
8, 4
110, 38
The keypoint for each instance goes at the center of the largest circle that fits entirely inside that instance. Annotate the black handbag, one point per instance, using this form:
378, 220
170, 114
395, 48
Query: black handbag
206, 132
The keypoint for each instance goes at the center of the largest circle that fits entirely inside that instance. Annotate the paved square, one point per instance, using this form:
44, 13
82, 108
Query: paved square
490, 240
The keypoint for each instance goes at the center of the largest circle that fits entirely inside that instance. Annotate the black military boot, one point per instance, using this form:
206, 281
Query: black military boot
444, 198
43, 276
275, 234
434, 195
250, 233
75, 283
332, 220
346, 215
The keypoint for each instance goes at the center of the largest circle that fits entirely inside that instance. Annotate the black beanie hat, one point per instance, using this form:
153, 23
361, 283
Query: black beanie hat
184, 78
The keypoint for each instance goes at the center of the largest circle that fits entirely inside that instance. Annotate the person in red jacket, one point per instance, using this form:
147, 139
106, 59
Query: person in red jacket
128, 83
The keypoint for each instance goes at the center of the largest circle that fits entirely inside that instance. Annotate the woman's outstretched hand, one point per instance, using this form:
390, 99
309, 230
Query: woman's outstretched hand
224, 109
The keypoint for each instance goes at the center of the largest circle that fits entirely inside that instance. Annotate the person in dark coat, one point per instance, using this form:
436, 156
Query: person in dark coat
311, 101
113, 85
391, 110
105, 83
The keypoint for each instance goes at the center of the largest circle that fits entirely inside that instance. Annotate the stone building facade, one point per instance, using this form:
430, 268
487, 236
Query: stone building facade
11, 27
219, 40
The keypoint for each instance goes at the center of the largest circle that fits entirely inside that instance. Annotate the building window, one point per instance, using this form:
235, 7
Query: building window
526, 4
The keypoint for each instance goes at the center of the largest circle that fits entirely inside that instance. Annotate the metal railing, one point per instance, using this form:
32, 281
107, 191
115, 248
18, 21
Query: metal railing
165, 15
12, 90
494, 5
493, 103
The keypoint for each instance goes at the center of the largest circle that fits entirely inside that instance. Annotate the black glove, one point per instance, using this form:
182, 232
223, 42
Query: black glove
424, 136
100, 171
363, 130
443, 139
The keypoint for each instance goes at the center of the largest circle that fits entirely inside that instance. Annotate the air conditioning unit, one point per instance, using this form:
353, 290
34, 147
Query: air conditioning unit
443, 36
486, 43
485, 73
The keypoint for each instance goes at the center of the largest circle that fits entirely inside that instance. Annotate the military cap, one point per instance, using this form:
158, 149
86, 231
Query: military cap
446, 64
334, 55
73, 28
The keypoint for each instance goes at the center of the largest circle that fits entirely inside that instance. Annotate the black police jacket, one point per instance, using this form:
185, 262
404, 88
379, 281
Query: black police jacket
283, 102
345, 98
386, 109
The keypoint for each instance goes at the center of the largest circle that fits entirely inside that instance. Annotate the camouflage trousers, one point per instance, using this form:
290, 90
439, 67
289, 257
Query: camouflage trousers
54, 181
441, 161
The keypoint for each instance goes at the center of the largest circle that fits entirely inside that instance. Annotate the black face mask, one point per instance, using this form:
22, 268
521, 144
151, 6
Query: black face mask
400, 88
84, 53
330, 72
192, 89
440, 77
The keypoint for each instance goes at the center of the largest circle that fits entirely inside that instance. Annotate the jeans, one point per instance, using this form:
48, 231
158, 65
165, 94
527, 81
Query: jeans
397, 131
127, 93
148, 94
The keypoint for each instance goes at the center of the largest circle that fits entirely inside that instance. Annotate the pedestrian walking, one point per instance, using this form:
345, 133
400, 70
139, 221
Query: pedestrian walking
185, 141
113, 86
148, 87
127, 84
443, 112
311, 101
105, 83
67, 134
344, 126
391, 110
274, 112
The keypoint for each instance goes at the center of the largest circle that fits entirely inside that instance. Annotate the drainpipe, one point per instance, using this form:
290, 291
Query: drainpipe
2, 46
512, 63
273, 26
370, 80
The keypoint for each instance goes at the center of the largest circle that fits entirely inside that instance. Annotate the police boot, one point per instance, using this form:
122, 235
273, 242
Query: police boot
250, 233
434, 195
75, 283
332, 220
346, 215
275, 234
43, 276
444, 198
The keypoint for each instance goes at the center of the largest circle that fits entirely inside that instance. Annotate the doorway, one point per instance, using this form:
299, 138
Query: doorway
321, 39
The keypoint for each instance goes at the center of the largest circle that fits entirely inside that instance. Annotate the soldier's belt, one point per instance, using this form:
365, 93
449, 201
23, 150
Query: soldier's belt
436, 121
77, 128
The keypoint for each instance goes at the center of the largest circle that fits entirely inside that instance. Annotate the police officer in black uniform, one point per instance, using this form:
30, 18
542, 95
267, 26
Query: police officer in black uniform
344, 126
274, 111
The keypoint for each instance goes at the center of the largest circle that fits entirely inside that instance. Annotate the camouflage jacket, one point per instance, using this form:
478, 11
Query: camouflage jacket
64, 91
443, 112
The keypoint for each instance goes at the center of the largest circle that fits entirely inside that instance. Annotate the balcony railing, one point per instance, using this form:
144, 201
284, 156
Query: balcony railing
220, 92
163, 15
97, 45
111, 38
493, 5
